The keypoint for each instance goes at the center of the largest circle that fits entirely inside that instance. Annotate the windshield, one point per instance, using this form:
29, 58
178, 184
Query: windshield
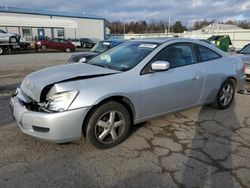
101, 47
1, 31
245, 50
125, 56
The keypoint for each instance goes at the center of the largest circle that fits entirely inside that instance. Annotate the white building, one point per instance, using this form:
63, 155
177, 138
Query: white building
31, 23
215, 28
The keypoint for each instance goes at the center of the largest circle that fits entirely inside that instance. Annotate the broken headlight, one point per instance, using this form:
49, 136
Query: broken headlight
61, 101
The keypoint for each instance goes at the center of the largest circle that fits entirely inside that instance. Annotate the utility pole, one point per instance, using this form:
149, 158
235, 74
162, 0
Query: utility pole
124, 28
169, 22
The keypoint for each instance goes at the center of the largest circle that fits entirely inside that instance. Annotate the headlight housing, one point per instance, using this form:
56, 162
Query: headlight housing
61, 101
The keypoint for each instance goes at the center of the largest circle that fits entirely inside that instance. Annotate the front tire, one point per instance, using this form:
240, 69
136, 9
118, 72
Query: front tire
13, 39
108, 125
44, 47
225, 95
1, 50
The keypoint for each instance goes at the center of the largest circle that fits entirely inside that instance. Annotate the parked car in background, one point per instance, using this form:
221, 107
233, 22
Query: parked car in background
9, 37
56, 43
136, 81
86, 43
76, 42
244, 54
97, 49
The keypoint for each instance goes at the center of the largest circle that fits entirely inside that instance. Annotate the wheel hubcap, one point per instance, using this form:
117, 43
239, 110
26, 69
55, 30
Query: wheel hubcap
110, 127
226, 94
13, 39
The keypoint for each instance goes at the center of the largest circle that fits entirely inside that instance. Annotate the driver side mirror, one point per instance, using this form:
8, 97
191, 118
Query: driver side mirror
160, 66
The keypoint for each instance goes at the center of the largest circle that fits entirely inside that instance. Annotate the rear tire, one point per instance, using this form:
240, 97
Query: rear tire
108, 125
68, 50
225, 95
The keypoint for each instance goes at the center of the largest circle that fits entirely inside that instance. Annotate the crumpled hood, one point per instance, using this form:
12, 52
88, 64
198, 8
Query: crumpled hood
35, 82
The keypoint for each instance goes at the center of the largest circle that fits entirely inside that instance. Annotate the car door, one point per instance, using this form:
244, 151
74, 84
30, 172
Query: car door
54, 44
3, 36
179, 87
213, 66
64, 44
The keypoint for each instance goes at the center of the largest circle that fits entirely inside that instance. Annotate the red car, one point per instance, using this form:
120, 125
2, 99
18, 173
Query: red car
56, 43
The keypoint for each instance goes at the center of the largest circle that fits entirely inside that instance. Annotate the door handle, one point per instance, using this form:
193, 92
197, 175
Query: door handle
196, 78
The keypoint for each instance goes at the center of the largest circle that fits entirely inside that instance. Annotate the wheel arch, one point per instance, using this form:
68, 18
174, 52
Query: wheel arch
125, 101
45, 45
232, 78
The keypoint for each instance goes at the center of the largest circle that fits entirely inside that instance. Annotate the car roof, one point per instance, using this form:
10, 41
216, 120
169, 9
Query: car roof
160, 41
164, 40
113, 40
154, 40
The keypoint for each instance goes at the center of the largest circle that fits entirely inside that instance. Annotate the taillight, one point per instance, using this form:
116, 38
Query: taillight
244, 67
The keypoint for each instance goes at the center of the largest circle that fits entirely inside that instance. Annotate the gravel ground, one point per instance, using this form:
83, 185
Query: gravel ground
201, 147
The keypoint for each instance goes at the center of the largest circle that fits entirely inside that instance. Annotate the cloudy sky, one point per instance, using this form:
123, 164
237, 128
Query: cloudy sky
187, 11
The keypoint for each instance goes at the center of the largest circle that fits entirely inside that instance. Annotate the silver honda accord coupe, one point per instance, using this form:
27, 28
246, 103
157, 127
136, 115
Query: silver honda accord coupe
131, 83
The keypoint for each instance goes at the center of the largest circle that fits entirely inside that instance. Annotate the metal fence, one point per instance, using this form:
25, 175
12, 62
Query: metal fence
239, 38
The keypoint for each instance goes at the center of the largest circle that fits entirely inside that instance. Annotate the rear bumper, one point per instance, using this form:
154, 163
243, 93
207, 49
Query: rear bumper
247, 71
248, 76
241, 82
56, 127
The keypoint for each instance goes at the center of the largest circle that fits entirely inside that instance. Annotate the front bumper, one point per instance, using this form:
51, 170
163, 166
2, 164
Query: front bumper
57, 127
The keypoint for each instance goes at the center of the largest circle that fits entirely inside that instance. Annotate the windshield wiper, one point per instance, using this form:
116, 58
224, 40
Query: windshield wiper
101, 65
104, 66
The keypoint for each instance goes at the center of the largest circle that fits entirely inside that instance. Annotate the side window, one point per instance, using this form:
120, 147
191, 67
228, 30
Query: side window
245, 50
177, 55
55, 40
88, 40
63, 41
205, 54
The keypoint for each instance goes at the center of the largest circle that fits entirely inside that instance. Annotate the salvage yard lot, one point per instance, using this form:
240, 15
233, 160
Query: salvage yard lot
197, 147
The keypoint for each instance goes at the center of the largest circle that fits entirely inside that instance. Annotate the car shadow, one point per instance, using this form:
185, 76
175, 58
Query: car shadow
5, 113
209, 161
135, 127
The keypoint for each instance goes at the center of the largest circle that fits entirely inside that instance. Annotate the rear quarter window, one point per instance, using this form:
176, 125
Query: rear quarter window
206, 54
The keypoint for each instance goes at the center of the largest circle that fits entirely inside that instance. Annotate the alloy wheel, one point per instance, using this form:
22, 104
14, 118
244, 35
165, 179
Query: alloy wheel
226, 94
110, 127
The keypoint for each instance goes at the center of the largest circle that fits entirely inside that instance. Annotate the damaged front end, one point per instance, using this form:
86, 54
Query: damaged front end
38, 120
28, 102
57, 102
